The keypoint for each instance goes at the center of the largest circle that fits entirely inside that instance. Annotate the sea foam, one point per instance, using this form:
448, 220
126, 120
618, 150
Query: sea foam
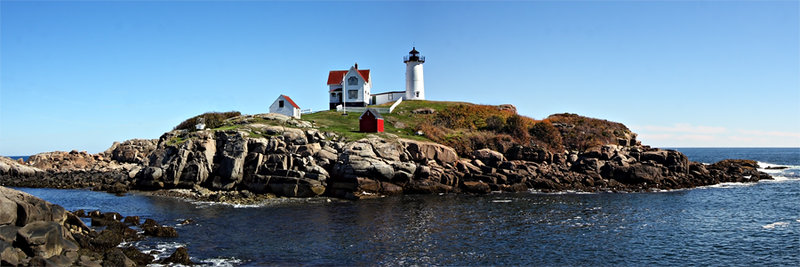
763, 166
221, 262
775, 224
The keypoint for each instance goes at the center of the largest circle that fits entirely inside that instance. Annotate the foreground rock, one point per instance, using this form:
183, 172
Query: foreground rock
34, 232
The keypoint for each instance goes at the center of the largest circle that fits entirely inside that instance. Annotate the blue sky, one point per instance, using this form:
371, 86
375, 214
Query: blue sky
81, 75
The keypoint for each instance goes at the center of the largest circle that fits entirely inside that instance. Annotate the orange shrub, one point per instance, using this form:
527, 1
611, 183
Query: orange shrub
546, 135
580, 133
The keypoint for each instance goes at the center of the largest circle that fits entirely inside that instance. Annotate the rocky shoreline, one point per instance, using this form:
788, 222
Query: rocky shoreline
275, 156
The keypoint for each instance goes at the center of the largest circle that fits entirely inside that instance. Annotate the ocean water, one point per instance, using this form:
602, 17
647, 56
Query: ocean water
721, 225
24, 158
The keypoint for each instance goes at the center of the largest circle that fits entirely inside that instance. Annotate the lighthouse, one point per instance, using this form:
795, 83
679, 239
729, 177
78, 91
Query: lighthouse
415, 85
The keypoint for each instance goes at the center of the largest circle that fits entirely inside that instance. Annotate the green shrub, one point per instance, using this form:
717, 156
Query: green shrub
495, 123
211, 119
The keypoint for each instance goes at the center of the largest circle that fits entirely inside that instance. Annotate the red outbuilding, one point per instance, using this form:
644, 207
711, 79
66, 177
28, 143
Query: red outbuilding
370, 121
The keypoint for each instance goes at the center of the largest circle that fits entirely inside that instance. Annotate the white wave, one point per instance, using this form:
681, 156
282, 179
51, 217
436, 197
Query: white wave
775, 224
726, 185
770, 168
501, 201
573, 192
162, 249
777, 178
220, 262
264, 203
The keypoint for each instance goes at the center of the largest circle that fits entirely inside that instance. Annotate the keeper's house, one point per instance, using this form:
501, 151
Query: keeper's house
349, 88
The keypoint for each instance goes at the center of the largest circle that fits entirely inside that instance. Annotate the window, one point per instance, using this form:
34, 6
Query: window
417, 94
333, 94
280, 103
352, 94
352, 81
390, 96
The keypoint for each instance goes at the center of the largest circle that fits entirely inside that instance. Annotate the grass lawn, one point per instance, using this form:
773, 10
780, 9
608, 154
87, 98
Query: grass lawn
347, 126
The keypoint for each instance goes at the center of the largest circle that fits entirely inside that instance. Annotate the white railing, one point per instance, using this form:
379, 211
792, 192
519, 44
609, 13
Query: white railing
305, 111
362, 109
395, 105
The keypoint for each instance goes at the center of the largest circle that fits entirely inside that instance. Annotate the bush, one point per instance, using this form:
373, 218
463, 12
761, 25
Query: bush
211, 119
471, 117
545, 134
580, 133
517, 126
430, 131
495, 123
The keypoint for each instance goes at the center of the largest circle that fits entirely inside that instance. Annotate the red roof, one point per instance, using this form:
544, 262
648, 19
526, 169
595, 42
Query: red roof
336, 76
290, 101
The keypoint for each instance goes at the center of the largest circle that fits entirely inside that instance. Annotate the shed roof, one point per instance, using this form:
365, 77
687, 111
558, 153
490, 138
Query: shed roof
374, 113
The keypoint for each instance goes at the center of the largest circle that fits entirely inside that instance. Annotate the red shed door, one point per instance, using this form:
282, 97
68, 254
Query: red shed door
368, 123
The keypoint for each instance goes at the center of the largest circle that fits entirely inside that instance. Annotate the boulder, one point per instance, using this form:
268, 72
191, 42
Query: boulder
180, 256
8, 254
8, 211
12, 168
152, 228
160, 231
28, 208
527, 153
423, 111
420, 151
116, 258
488, 156
8, 233
137, 256
294, 136
132, 151
658, 156
295, 187
132, 220
45, 239
233, 149
107, 239
476, 187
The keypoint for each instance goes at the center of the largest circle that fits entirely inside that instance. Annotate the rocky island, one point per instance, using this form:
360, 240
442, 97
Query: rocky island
429, 147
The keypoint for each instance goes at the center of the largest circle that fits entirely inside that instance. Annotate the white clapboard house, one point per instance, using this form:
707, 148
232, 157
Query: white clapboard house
286, 106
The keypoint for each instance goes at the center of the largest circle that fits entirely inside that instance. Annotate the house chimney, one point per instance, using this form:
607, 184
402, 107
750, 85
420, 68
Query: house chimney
356, 66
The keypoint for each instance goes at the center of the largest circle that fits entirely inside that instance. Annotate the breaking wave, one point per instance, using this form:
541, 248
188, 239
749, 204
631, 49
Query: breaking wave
775, 224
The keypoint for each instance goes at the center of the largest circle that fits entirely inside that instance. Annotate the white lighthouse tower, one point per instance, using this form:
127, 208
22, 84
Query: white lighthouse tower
415, 85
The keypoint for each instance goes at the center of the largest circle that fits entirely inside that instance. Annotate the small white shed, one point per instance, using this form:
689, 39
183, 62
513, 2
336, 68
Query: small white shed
286, 106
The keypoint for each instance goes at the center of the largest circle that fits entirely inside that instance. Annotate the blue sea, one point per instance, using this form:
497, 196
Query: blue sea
722, 225
24, 158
